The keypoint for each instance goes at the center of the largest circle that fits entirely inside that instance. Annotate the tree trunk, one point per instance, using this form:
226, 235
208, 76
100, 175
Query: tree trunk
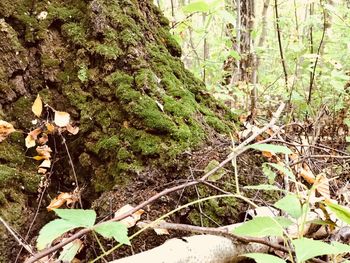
114, 66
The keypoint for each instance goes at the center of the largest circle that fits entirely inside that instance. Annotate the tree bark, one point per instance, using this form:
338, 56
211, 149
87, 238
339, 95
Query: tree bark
114, 66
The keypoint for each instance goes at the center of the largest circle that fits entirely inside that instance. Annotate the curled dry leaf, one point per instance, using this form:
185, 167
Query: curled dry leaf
129, 221
61, 118
72, 130
46, 164
5, 129
32, 137
37, 106
44, 151
61, 199
322, 186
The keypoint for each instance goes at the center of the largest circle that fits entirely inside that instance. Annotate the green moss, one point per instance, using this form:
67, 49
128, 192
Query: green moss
166, 38
146, 80
47, 61
183, 107
75, 32
217, 124
123, 154
142, 142
107, 143
7, 174
107, 51
21, 112
11, 153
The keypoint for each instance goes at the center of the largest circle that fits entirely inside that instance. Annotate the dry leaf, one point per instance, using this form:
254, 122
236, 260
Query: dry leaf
29, 141
43, 139
45, 164
322, 186
32, 137
72, 130
44, 151
38, 158
161, 231
50, 128
61, 118
37, 107
267, 154
307, 174
5, 129
129, 221
61, 199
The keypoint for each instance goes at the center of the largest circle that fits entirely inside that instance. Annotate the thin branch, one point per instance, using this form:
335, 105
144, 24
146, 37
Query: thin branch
318, 54
18, 239
280, 45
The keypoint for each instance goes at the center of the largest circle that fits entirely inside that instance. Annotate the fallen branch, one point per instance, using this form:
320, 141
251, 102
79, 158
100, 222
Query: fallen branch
236, 151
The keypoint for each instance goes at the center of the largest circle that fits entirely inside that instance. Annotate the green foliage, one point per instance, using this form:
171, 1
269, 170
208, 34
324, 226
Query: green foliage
115, 230
271, 148
262, 227
69, 251
290, 204
306, 248
341, 212
77, 218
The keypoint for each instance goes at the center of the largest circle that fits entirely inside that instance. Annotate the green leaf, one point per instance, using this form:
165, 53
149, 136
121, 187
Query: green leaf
83, 73
264, 258
261, 227
341, 212
53, 230
271, 148
342, 248
306, 248
290, 204
70, 250
116, 230
79, 217
283, 169
266, 187
198, 6
271, 175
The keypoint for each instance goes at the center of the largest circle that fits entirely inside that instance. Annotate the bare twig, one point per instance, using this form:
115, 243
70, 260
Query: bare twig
18, 239
280, 44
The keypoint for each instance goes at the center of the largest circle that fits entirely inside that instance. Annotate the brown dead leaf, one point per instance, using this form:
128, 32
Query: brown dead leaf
61, 199
129, 221
5, 129
72, 130
322, 186
62, 118
37, 106
267, 154
307, 174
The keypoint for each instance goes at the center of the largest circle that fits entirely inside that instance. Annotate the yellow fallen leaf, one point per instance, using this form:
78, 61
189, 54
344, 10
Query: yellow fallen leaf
61, 118
50, 128
37, 107
322, 185
58, 201
161, 231
5, 129
29, 141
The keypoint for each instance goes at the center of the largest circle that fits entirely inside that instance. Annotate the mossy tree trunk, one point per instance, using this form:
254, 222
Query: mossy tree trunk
116, 69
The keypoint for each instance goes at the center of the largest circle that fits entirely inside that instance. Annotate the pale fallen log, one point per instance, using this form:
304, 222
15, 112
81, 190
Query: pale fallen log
194, 249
